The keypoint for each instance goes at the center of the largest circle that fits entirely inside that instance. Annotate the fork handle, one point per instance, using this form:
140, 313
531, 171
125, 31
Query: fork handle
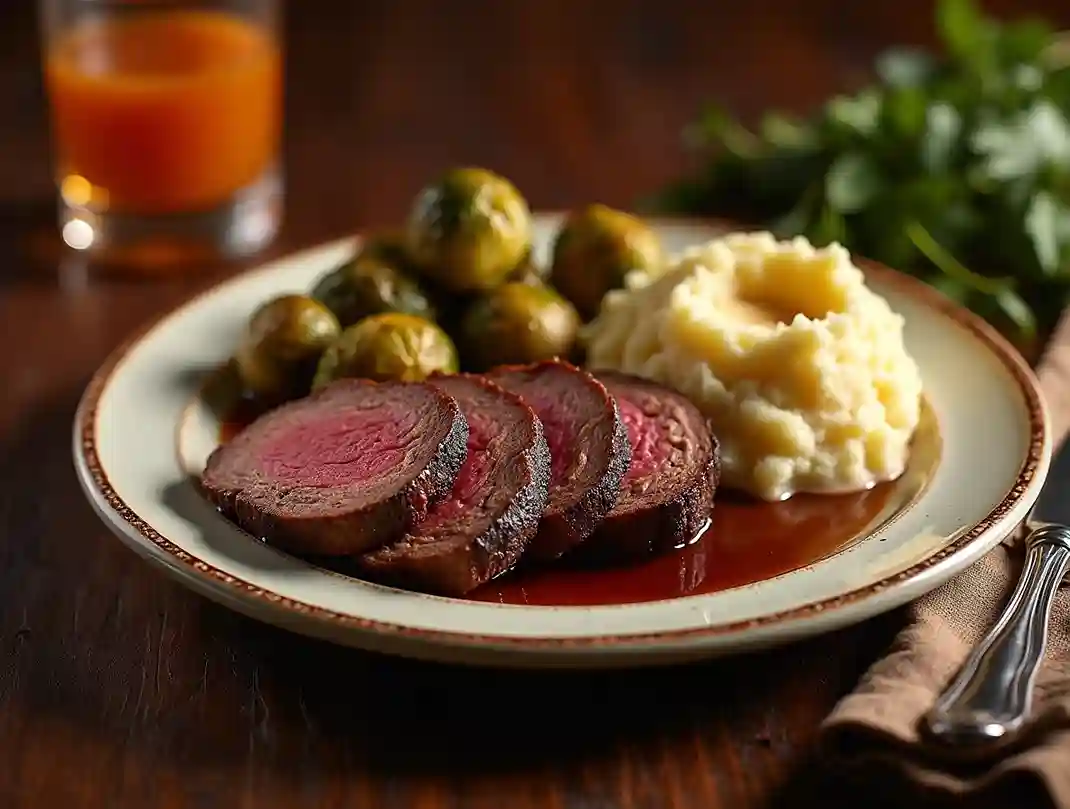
989, 700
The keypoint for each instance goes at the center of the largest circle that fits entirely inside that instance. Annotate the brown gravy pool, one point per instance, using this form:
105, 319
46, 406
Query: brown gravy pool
747, 541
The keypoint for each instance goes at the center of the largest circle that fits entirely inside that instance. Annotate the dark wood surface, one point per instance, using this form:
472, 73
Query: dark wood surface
120, 689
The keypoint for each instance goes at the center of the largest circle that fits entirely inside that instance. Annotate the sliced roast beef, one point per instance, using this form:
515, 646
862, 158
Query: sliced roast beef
343, 471
588, 449
487, 522
667, 493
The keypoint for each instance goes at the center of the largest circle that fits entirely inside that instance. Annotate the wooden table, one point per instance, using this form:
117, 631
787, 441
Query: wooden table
120, 689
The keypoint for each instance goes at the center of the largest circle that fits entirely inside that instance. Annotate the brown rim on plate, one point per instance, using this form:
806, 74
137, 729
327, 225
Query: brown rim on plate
85, 436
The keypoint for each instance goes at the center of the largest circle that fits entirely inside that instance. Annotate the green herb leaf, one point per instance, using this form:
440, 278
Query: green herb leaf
949, 265
905, 67
1046, 225
851, 183
1024, 41
829, 227
954, 167
904, 112
1032, 140
717, 127
1017, 312
783, 132
966, 34
855, 114
943, 125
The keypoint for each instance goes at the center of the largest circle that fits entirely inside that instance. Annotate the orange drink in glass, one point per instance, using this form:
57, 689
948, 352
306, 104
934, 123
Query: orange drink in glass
166, 122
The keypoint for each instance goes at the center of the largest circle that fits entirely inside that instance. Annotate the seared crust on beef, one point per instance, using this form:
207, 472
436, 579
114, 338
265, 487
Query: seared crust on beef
453, 555
599, 453
344, 519
669, 508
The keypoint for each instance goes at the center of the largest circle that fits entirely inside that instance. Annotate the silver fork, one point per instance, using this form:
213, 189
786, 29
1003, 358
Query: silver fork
989, 701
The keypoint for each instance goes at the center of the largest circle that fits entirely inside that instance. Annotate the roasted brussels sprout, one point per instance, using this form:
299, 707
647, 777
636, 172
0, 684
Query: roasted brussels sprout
469, 230
277, 355
518, 323
368, 284
596, 247
388, 346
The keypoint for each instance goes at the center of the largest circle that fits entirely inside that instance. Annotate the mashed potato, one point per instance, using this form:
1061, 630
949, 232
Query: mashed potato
799, 365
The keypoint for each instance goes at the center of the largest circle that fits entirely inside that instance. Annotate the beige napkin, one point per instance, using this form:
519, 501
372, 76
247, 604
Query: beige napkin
872, 740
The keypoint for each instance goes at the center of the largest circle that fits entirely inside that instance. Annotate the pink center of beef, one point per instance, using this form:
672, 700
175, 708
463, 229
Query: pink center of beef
472, 482
339, 448
560, 428
649, 449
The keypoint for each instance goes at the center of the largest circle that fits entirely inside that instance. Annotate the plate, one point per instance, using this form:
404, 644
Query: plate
141, 433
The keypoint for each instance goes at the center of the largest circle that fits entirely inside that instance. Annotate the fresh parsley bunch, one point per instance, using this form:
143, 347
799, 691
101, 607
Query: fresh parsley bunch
954, 168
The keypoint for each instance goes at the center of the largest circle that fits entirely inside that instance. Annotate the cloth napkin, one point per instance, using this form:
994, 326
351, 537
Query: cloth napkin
872, 737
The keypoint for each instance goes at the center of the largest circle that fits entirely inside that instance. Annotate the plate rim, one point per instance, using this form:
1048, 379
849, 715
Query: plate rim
1030, 477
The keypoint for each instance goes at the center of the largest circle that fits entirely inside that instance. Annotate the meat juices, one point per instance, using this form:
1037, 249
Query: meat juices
485, 525
344, 471
667, 494
588, 450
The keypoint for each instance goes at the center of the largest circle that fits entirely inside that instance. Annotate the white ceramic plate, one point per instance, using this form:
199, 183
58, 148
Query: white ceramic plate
140, 431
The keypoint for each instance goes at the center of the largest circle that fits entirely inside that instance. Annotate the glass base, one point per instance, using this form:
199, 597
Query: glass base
154, 244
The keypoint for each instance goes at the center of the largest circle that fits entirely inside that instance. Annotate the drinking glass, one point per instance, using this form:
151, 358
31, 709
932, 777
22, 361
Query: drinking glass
166, 122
